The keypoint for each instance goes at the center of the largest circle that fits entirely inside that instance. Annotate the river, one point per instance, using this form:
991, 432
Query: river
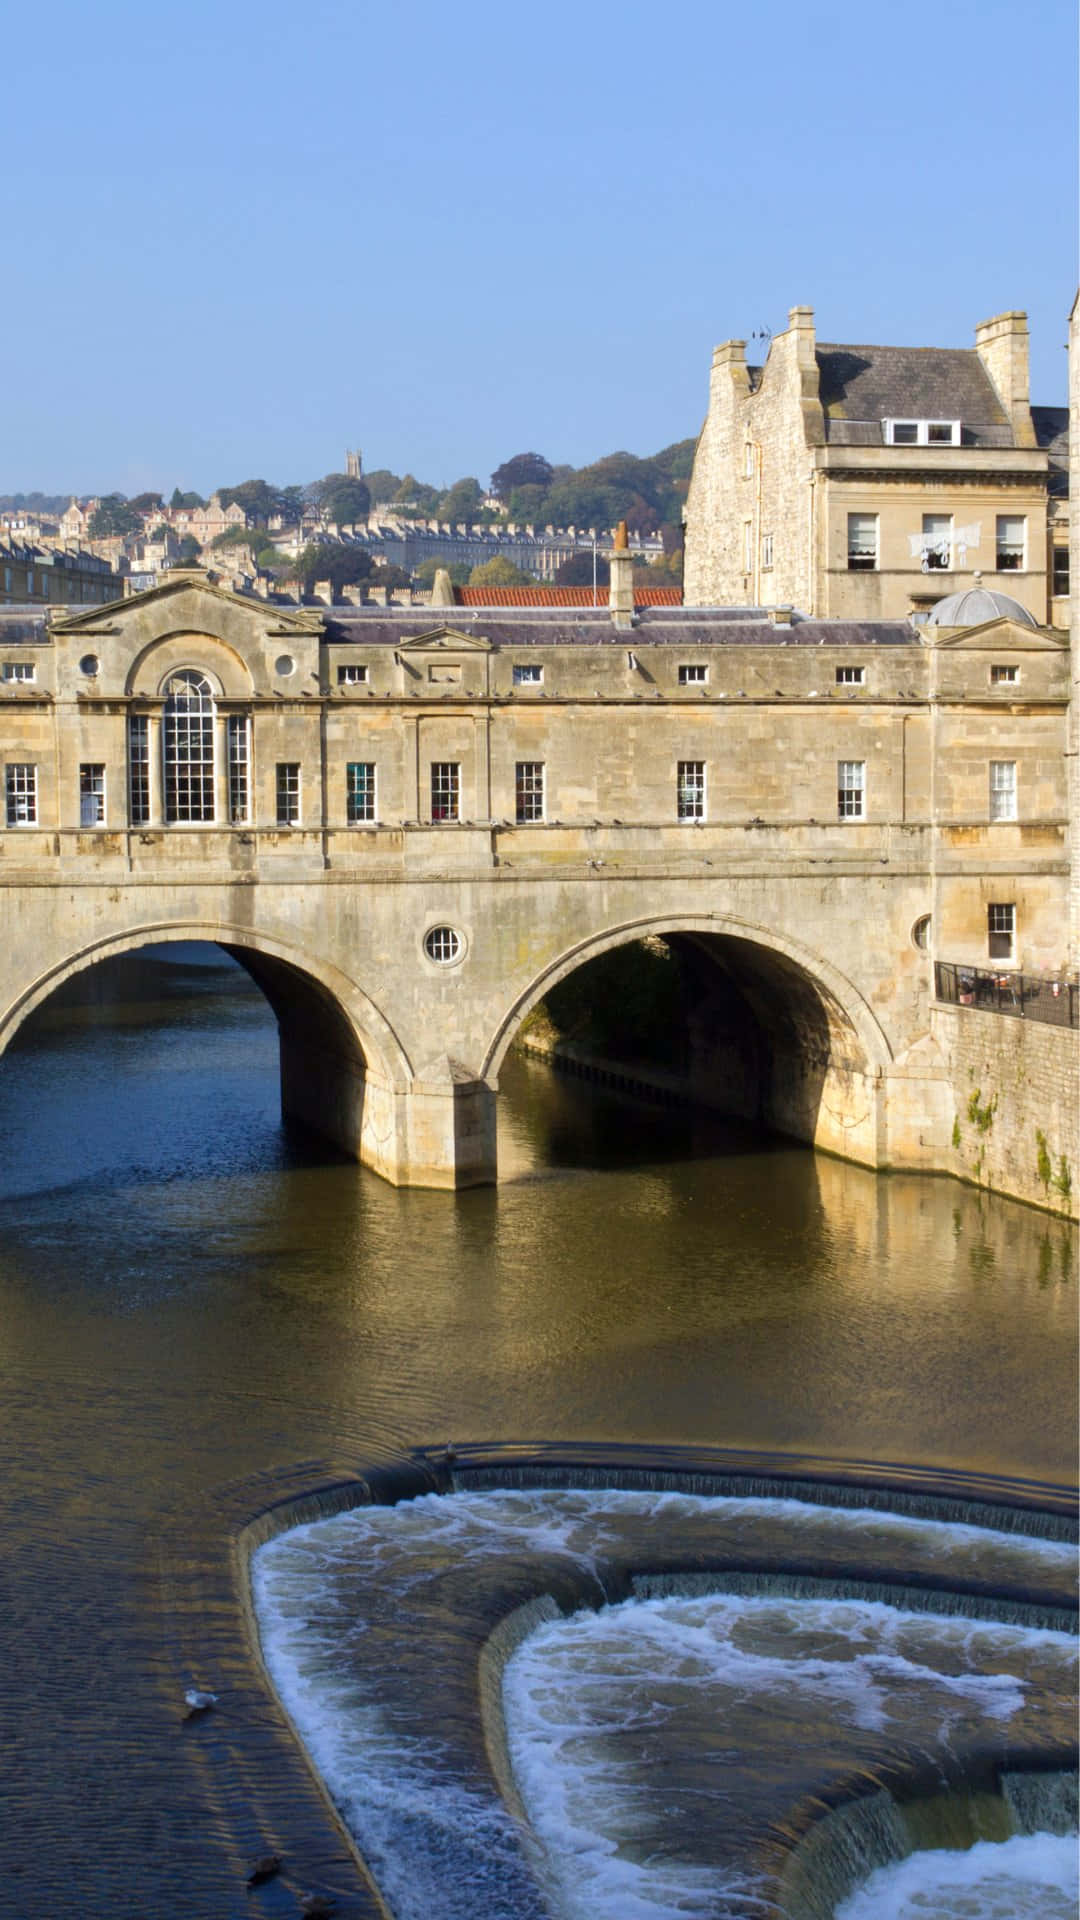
203, 1315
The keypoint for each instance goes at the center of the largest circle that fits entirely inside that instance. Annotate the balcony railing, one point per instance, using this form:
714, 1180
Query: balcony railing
1027, 996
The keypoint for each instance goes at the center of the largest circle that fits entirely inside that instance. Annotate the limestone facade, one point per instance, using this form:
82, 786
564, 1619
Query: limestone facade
410, 823
865, 482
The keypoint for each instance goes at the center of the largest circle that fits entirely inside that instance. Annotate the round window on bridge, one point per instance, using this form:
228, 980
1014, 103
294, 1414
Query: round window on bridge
284, 665
444, 946
90, 665
920, 933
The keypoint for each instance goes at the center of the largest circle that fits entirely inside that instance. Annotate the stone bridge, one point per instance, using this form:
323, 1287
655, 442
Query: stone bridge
409, 828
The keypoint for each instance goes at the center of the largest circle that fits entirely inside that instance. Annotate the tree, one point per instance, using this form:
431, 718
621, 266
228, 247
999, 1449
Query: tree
500, 572
524, 470
291, 504
386, 574
578, 571
189, 551
146, 502
343, 566
232, 537
458, 570
186, 499
464, 501
382, 484
527, 504
341, 499
257, 498
113, 516
415, 493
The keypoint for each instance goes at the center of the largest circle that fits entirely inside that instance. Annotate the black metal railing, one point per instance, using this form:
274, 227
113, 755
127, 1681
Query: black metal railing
1027, 996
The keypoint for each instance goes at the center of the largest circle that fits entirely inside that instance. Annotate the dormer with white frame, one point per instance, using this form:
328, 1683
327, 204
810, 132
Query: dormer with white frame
921, 433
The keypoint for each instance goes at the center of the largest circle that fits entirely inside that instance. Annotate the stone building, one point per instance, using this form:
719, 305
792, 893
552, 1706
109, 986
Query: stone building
867, 482
44, 575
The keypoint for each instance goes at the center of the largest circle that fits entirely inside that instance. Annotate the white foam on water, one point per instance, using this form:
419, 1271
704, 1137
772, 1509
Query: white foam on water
1030, 1877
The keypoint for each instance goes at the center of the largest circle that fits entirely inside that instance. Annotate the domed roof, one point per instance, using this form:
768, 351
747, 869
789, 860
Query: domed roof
976, 604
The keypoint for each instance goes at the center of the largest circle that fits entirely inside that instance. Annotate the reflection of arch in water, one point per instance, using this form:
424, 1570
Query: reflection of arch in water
342, 1065
779, 1034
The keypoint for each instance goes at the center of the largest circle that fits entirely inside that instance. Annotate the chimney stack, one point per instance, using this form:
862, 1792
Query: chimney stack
1002, 346
621, 591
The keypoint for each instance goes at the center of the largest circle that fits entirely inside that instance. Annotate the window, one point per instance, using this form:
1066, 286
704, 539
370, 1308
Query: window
1004, 676
766, 551
527, 675
18, 670
1011, 542
851, 789
936, 542
92, 794
21, 795
921, 433
1059, 561
690, 790
1001, 929
139, 768
862, 542
352, 675
850, 676
748, 546
529, 790
238, 735
748, 460
359, 792
188, 748
445, 790
1003, 789
693, 676
288, 793
442, 945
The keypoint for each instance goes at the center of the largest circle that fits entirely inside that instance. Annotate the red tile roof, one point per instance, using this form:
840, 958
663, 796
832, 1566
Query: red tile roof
561, 596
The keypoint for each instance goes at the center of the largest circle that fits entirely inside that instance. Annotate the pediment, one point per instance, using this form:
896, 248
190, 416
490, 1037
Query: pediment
189, 600
445, 640
995, 636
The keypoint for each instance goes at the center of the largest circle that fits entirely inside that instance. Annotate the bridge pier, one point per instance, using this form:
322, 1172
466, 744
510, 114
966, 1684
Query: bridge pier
439, 1132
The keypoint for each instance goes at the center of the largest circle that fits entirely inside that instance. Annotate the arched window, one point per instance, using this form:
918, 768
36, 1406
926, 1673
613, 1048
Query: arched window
188, 747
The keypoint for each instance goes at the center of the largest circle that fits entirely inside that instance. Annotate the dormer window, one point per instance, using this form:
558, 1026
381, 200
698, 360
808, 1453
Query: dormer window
921, 433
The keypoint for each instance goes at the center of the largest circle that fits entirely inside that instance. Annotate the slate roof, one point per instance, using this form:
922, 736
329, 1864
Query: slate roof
655, 626
1052, 432
561, 596
862, 386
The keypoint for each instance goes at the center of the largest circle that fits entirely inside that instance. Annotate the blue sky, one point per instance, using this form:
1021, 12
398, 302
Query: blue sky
240, 238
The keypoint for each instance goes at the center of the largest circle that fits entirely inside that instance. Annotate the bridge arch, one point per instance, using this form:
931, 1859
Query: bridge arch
791, 1035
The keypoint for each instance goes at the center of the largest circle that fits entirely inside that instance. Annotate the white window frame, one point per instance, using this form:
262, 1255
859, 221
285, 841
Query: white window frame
927, 433
92, 793
530, 792
138, 746
1001, 929
851, 789
288, 793
18, 671
690, 790
444, 786
862, 554
21, 793
1004, 674
360, 793
939, 544
1003, 790
748, 460
693, 674
238, 762
352, 673
766, 553
748, 546
188, 749
851, 676
527, 673
1010, 553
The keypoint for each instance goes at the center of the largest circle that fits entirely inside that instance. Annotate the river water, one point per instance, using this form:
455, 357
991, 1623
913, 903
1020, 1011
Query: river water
202, 1315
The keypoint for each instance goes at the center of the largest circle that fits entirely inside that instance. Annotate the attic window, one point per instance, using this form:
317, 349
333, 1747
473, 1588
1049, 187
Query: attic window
921, 433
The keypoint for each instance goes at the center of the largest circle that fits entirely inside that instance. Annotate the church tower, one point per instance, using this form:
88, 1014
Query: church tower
353, 464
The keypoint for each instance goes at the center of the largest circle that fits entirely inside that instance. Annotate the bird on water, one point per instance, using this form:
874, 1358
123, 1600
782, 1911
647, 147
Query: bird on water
198, 1701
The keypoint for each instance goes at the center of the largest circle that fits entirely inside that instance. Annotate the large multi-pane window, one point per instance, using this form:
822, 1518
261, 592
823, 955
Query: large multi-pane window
851, 789
21, 794
1011, 542
288, 793
862, 542
445, 790
529, 791
139, 768
188, 748
359, 791
238, 744
92, 794
1003, 789
1001, 929
690, 790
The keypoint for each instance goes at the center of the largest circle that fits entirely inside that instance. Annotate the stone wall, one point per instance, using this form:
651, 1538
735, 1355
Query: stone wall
1017, 1114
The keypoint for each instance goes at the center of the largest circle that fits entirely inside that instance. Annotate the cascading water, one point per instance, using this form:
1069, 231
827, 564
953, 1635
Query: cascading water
643, 1752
